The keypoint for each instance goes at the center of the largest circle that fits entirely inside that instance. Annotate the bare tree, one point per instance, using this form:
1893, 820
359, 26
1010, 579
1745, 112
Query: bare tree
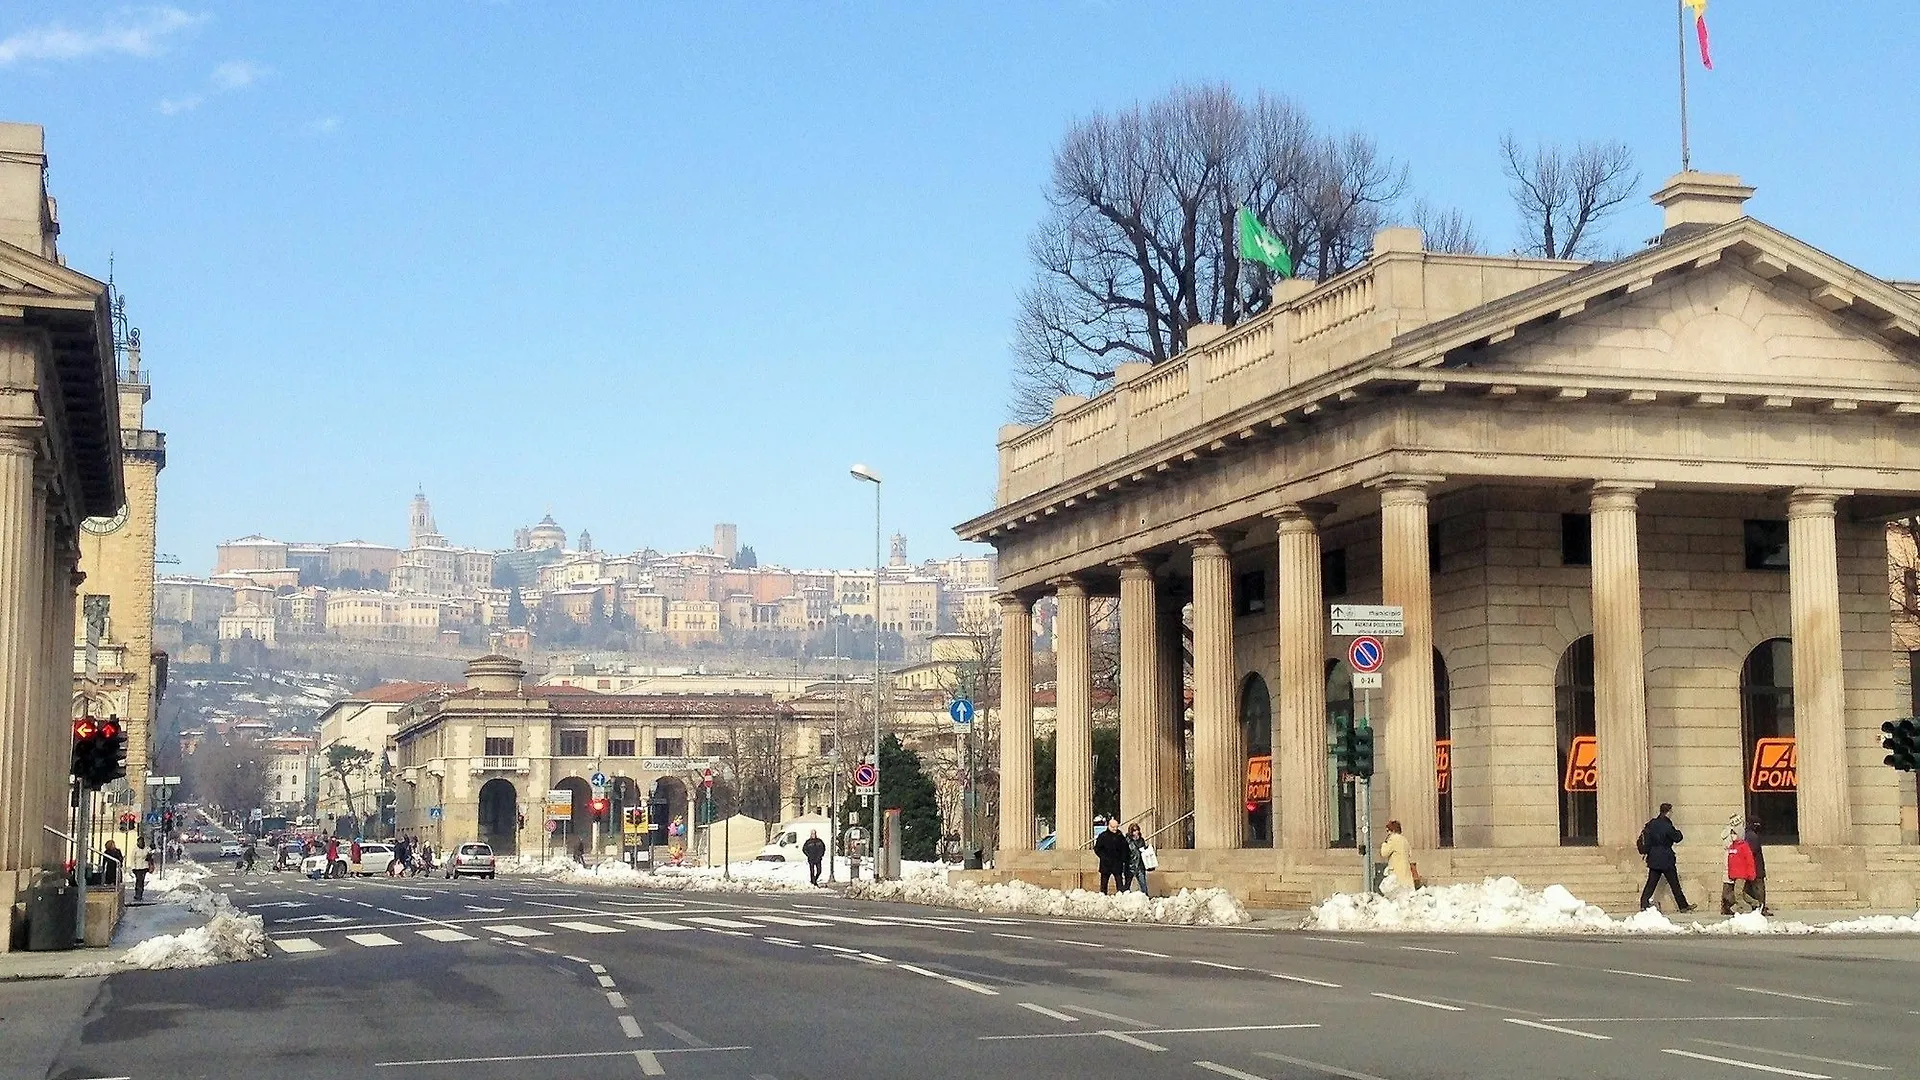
1140, 241
1447, 231
1903, 579
1563, 195
230, 773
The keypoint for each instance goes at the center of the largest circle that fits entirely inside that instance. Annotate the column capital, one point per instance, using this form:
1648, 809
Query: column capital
1010, 603
1614, 494
1211, 543
1403, 488
1136, 567
1814, 501
1068, 584
19, 440
1299, 517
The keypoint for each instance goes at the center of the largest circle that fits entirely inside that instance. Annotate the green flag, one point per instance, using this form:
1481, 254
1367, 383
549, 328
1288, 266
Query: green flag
1259, 245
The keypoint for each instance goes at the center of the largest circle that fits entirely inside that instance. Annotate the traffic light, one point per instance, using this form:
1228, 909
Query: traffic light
1343, 748
1902, 744
80, 765
1363, 752
597, 807
636, 816
108, 763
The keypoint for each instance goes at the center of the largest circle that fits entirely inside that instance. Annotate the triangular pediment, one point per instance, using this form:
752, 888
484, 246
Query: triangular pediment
1741, 305
25, 274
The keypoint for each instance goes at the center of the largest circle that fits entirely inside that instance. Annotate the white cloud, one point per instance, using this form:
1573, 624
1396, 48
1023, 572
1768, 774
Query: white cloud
184, 103
140, 31
236, 75
324, 125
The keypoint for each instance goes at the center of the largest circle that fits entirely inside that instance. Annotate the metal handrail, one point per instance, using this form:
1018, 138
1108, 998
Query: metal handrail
1124, 824
1170, 825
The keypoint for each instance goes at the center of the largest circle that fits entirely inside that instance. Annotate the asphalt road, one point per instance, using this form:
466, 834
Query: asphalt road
426, 979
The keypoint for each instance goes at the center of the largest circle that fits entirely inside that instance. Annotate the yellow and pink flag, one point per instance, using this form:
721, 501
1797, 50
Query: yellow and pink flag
1700, 29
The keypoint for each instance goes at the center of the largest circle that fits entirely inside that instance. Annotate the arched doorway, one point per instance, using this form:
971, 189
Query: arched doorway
1766, 736
1256, 734
667, 802
578, 828
1574, 722
1340, 718
1443, 747
500, 816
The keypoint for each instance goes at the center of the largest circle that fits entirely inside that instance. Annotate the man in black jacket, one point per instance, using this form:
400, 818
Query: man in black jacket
1113, 851
1657, 838
815, 849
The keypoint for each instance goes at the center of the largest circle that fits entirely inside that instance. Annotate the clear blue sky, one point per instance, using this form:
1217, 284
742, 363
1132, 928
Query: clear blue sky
653, 266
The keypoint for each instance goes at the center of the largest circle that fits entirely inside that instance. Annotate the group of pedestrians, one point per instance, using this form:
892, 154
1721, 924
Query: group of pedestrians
412, 857
1745, 885
1125, 859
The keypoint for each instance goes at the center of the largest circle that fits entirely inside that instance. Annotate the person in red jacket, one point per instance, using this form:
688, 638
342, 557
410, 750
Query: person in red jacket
1740, 875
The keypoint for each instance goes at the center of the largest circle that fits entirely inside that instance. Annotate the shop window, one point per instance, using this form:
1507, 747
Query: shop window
1578, 779
1766, 543
1333, 572
1250, 593
573, 744
669, 747
1576, 540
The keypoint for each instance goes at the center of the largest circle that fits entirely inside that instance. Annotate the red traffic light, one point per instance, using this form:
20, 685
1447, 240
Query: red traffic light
108, 729
84, 728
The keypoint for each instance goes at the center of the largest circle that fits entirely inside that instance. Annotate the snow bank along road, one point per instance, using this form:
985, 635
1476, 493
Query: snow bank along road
522, 978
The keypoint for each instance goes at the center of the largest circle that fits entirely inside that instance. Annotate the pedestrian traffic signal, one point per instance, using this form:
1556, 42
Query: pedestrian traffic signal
597, 808
1363, 752
1902, 744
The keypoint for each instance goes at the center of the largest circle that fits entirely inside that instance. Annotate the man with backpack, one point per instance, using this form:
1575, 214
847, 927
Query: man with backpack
1657, 838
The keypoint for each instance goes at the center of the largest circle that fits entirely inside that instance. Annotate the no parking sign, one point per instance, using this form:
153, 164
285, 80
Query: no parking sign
1366, 654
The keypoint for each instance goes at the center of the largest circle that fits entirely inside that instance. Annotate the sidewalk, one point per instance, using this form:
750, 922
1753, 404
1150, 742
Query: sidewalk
147, 919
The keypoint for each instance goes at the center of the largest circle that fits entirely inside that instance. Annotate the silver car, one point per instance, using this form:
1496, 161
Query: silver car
471, 858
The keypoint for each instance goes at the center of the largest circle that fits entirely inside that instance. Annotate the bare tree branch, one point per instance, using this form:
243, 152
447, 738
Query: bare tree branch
1445, 230
1563, 195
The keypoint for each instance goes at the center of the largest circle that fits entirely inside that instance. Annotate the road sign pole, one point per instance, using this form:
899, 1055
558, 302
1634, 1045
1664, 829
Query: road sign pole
1366, 801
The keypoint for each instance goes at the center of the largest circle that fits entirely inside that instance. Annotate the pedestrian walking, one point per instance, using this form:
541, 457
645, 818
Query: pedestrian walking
1657, 838
110, 864
1757, 888
247, 855
142, 866
815, 849
1397, 854
1738, 888
1114, 853
1141, 859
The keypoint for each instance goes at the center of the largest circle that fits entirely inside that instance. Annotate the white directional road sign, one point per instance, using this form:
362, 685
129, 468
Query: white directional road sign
1378, 620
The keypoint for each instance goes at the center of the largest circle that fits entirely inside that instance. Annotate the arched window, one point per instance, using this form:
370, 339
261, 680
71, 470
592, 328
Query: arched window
1443, 746
1573, 716
1340, 717
1766, 722
1256, 734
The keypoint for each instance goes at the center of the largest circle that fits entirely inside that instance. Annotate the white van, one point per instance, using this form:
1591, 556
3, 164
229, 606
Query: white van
784, 844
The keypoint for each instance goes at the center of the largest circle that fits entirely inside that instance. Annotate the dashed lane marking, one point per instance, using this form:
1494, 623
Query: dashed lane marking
1044, 1011
371, 940
685, 1036
605, 980
649, 1064
1225, 1070
834, 948
298, 945
1561, 1030
1017, 937
783, 920
1211, 964
1302, 979
784, 942
1082, 944
444, 934
651, 924
1842, 1062
1130, 1040
588, 928
629, 1026
1148, 952
1522, 960
1796, 997
1419, 1001
513, 931
597, 969
616, 999
725, 924
1331, 1070
1115, 1017
1646, 975
1754, 1065
1418, 948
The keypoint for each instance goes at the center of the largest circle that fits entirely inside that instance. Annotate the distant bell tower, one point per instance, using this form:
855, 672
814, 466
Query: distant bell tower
899, 553
420, 528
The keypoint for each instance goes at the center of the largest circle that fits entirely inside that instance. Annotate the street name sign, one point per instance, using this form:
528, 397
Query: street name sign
1376, 620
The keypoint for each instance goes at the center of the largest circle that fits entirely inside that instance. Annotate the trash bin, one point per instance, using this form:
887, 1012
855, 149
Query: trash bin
52, 914
973, 861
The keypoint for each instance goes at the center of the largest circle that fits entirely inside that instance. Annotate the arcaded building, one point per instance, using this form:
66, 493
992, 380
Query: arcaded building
1634, 513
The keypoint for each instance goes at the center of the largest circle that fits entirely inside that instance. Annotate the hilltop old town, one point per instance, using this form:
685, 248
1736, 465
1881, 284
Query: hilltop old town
1381, 650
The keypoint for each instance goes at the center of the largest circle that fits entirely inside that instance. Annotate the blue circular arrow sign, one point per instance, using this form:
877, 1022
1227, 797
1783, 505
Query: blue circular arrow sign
961, 710
1365, 654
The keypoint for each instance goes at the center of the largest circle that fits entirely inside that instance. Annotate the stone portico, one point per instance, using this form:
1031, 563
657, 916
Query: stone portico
1634, 512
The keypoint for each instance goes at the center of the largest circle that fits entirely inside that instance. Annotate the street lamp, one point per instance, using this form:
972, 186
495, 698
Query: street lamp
861, 472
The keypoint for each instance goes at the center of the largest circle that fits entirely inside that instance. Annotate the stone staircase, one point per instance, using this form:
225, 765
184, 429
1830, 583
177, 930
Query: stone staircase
1597, 875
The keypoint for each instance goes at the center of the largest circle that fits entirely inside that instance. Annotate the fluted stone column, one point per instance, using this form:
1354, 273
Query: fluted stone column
1217, 814
1619, 664
20, 541
1073, 718
1406, 580
1169, 726
1819, 689
1140, 696
1300, 722
1016, 724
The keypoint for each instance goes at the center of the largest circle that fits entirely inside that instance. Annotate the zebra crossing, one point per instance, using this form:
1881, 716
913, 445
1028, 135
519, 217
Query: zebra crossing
739, 924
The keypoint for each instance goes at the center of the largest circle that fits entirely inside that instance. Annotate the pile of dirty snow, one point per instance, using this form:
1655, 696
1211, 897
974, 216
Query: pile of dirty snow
1503, 905
1188, 907
750, 876
225, 938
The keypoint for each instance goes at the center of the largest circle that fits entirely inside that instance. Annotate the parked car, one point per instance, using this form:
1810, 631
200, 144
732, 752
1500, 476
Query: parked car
475, 859
374, 859
231, 850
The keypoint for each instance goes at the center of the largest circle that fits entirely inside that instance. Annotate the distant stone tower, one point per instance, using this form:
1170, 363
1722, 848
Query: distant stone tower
420, 529
726, 541
899, 553
586, 540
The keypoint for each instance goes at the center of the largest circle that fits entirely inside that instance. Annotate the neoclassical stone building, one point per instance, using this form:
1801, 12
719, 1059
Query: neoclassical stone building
1634, 512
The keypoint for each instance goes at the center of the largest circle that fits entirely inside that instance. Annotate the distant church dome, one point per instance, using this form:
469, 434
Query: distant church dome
547, 534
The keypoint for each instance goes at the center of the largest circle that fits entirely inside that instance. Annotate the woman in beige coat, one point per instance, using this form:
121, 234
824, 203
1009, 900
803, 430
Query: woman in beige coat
1398, 855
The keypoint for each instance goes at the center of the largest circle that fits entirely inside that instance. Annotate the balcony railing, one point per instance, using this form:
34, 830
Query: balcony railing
502, 764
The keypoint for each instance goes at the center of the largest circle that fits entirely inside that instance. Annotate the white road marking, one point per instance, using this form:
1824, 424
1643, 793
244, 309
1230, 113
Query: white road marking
835, 948
966, 984
1561, 1030
1147, 952
605, 980
1017, 937
615, 999
651, 924
1418, 1001
1121, 1036
510, 930
1302, 979
1044, 1011
1754, 1065
852, 921
1339, 941
1082, 944
629, 1026
1646, 975
486, 910
1332, 1070
407, 897
787, 942
1664, 1019
298, 945
597, 969
1797, 1057
1796, 997
1115, 1017
784, 920
1236, 1027
1224, 1070
683, 1035
555, 1057
1211, 964
1521, 960
588, 928
729, 924
875, 958
443, 934
1418, 948
371, 941
649, 1065
729, 933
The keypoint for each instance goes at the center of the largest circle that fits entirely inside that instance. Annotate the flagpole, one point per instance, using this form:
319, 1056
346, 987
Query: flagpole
1680, 38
